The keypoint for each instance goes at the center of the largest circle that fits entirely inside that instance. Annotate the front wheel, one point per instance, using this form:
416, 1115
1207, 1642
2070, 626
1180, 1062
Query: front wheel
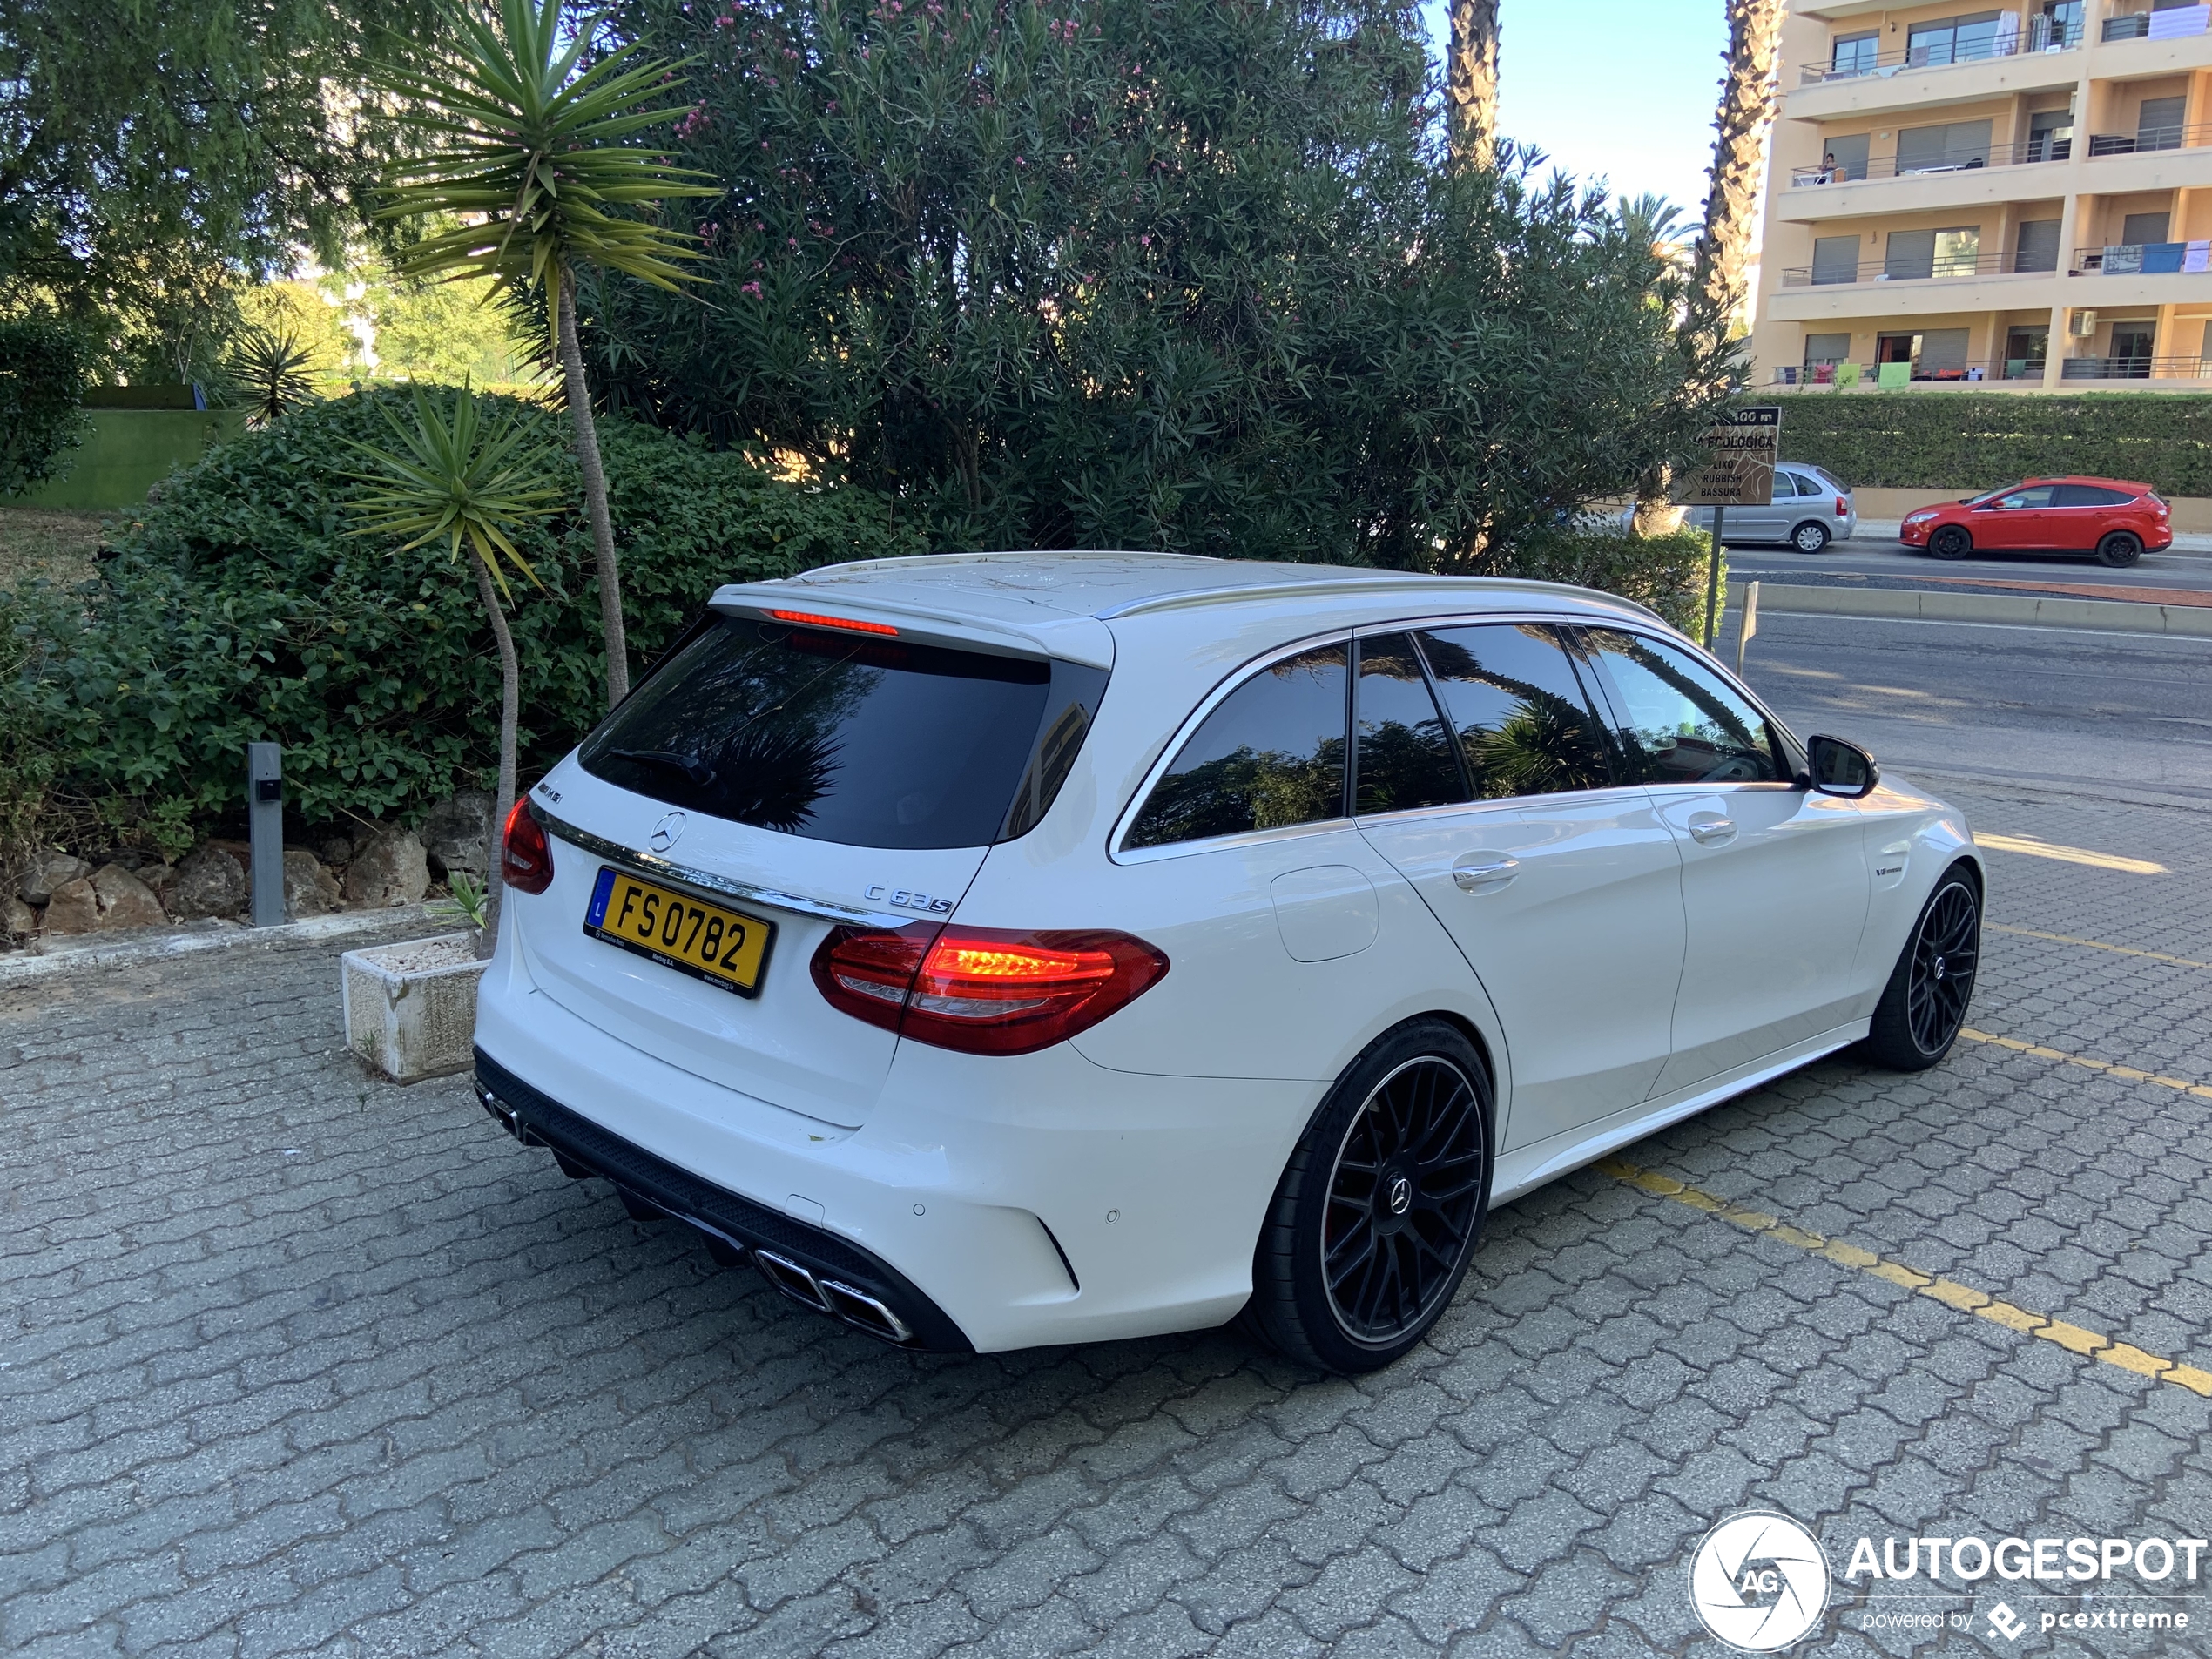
1810, 536
2120, 549
1925, 1003
1377, 1215
1952, 541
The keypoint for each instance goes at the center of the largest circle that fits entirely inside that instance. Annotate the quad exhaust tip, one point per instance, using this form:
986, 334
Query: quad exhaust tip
856, 1308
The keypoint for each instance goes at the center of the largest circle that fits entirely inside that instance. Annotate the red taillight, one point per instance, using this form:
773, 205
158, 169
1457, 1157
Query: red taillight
526, 857
1843, 507
983, 990
851, 624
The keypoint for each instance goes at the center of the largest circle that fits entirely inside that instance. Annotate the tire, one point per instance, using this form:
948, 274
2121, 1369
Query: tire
2120, 549
1951, 541
1359, 1196
1925, 1003
1812, 536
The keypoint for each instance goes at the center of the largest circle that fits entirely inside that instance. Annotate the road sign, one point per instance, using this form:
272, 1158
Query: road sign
1741, 447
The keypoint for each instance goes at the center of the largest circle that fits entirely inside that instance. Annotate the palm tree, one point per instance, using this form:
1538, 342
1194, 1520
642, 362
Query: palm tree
1471, 81
451, 476
1654, 222
1749, 99
275, 369
533, 152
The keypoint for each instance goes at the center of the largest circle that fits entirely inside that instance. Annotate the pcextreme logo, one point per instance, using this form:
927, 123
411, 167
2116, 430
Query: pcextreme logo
1759, 1581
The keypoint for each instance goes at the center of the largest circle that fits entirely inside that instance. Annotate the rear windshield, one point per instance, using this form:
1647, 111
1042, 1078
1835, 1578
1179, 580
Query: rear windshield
840, 738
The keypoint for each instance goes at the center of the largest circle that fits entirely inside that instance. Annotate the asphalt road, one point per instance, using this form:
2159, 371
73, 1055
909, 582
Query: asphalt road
2047, 706
1880, 557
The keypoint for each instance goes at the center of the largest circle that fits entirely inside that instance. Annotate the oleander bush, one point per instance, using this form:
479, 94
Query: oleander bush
239, 608
1956, 441
1666, 573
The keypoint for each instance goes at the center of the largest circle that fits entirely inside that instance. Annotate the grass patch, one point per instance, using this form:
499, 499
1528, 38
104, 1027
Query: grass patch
58, 546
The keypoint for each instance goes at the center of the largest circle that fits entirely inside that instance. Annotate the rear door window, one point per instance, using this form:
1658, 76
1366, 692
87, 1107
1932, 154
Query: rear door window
1404, 759
843, 738
1270, 756
2091, 496
1522, 721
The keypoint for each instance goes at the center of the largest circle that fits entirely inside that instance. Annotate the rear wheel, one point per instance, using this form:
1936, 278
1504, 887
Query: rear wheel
2119, 549
1925, 1003
1377, 1215
1952, 541
1812, 536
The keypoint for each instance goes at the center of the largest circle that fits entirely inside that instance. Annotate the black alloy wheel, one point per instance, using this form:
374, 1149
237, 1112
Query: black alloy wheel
1377, 1215
2120, 549
1402, 1201
1925, 1004
1812, 536
1952, 541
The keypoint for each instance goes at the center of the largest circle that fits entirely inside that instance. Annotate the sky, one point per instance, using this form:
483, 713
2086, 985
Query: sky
1623, 90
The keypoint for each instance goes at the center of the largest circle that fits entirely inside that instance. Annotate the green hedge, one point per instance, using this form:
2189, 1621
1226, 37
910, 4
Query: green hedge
239, 608
1923, 440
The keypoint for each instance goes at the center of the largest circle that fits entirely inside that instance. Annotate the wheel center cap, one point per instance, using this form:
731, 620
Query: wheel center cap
1941, 967
1400, 1195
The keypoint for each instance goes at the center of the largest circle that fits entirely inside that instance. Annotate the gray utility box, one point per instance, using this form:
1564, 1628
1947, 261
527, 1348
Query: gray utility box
410, 1009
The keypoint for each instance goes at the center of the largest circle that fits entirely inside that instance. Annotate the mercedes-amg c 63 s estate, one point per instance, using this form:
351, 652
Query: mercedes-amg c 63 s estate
1019, 949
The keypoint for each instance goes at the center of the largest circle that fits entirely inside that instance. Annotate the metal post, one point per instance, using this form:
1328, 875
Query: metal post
1713, 580
1749, 626
265, 813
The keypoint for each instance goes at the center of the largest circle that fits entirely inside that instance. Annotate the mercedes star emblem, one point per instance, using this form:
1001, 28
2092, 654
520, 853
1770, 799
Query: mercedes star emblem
667, 832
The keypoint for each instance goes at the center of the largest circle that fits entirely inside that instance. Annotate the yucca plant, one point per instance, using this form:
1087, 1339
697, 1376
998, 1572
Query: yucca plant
453, 477
534, 153
275, 370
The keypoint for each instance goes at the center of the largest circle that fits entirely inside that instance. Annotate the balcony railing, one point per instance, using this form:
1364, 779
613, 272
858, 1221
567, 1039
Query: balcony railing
2144, 259
2041, 35
2040, 147
1848, 376
2149, 139
2169, 24
1917, 270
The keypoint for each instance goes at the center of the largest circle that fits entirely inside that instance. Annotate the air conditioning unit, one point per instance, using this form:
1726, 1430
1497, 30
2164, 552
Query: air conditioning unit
2082, 324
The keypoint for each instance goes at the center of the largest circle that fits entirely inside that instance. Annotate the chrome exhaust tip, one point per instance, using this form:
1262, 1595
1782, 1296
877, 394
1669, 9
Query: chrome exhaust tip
864, 1312
792, 1280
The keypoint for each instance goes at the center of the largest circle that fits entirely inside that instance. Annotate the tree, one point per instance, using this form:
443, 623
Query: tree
1749, 94
454, 478
1156, 274
532, 150
274, 370
138, 142
41, 386
1472, 75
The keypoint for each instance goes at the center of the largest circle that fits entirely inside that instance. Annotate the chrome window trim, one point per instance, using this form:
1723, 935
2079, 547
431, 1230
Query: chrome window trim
661, 869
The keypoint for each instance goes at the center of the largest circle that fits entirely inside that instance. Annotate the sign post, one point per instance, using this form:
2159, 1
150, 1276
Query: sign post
1741, 447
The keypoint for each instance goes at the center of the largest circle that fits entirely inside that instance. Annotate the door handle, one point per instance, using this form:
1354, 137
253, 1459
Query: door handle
1485, 873
1712, 832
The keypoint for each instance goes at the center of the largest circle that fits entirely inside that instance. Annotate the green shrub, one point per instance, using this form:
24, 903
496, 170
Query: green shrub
1667, 573
42, 368
239, 609
1962, 440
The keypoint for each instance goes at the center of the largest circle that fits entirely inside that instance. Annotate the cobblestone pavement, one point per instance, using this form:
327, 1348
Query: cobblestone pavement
297, 1362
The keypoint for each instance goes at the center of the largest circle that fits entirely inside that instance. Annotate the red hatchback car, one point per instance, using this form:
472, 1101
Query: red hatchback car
2115, 520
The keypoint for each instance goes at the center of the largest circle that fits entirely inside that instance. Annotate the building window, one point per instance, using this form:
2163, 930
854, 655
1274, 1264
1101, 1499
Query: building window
2035, 246
1854, 55
1835, 259
1953, 40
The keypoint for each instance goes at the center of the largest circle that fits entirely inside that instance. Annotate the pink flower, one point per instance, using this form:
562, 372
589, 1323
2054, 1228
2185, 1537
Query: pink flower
752, 289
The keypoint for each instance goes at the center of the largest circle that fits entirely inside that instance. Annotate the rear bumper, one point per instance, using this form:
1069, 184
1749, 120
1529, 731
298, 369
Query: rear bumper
837, 1278
991, 1203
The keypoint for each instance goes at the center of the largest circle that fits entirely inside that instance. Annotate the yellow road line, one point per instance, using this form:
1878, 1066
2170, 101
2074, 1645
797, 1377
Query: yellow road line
2097, 944
1950, 1293
2127, 1074
2036, 849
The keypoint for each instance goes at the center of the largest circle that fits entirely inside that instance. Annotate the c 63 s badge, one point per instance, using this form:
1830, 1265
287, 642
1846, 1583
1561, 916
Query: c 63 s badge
904, 899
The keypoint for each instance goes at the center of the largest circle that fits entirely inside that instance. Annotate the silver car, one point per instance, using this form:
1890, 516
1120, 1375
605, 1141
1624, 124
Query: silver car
1810, 507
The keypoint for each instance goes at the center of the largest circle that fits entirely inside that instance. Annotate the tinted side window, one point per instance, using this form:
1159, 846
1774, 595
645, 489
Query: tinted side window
2038, 496
2091, 496
1269, 755
1680, 723
1404, 759
1523, 724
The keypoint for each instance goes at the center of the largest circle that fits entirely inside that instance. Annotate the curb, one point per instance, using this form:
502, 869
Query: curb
81, 952
2119, 616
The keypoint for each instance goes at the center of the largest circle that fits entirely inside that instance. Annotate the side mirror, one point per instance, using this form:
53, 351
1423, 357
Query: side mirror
1843, 769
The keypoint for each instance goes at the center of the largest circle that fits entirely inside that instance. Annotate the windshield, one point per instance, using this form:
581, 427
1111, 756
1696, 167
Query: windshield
842, 737
1992, 494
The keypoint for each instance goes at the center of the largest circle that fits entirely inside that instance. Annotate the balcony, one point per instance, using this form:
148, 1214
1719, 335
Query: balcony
2173, 24
2041, 35
2142, 259
2012, 374
1915, 164
1940, 266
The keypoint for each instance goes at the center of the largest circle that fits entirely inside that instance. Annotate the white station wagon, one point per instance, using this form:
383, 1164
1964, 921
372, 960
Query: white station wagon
1019, 949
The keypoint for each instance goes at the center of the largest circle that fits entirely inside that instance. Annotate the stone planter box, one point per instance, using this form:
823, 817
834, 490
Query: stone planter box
410, 1009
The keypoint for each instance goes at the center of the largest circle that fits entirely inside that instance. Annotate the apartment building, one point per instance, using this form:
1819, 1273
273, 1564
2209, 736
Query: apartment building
2016, 199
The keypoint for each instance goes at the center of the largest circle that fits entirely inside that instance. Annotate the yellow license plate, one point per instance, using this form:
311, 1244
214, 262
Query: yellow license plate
722, 946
